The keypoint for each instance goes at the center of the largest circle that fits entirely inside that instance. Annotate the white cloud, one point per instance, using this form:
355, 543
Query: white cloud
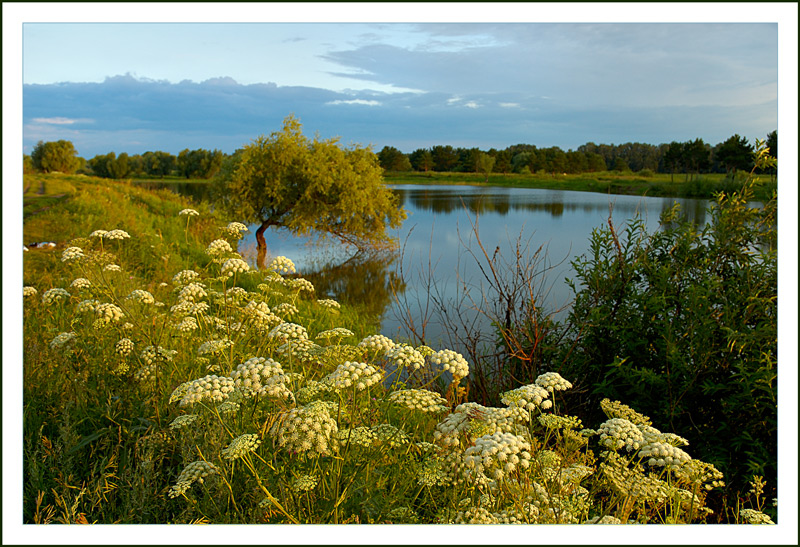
472, 104
356, 101
58, 120
509, 105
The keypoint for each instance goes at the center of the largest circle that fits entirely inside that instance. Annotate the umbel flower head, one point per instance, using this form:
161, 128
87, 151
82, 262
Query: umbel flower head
452, 362
241, 445
80, 283
107, 313
233, 266
123, 347
62, 339
419, 399
212, 387
184, 276
192, 292
403, 355
260, 376
377, 343
308, 428
357, 375
29, 291
234, 230
217, 248
288, 331
189, 212
553, 381
141, 296
528, 397
282, 265
617, 433
496, 455
194, 472
72, 253
116, 234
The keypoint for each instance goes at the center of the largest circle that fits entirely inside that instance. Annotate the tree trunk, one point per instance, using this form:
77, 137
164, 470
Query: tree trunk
262, 245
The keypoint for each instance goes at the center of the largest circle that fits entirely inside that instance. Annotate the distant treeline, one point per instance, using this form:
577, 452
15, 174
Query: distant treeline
689, 158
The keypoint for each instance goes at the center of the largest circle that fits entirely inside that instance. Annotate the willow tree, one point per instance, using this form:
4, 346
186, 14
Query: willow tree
310, 187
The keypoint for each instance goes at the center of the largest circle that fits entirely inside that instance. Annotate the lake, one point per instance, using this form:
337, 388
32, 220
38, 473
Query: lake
433, 288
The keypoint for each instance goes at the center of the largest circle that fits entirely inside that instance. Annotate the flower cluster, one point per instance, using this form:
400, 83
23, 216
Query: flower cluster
308, 428
389, 435
552, 381
192, 292
616, 433
615, 409
286, 310
360, 375
377, 343
357, 436
80, 283
288, 331
299, 285
419, 399
751, 516
98, 233
664, 455
337, 332
282, 265
184, 276
112, 268
52, 296
183, 420
62, 339
116, 234
234, 230
123, 347
218, 248
260, 376
404, 355
194, 472
233, 266
189, 212
452, 362
141, 296
304, 483
496, 456
29, 291
211, 387
332, 305
529, 397
72, 253
108, 313
236, 294
240, 446
551, 421
214, 346
187, 324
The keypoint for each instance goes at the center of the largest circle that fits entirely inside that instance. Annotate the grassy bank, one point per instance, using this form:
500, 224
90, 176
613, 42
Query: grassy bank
657, 184
167, 382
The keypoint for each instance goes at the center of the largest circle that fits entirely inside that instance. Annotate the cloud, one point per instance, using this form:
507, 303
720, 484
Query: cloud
355, 101
59, 120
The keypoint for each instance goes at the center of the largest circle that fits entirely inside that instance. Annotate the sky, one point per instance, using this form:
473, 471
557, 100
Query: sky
128, 77
133, 87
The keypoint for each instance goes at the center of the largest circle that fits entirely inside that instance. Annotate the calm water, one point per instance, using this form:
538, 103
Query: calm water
435, 276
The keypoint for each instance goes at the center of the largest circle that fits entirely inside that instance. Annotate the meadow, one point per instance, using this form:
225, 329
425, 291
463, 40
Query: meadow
166, 381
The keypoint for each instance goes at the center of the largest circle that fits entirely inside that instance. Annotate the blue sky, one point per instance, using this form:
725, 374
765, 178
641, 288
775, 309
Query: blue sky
135, 87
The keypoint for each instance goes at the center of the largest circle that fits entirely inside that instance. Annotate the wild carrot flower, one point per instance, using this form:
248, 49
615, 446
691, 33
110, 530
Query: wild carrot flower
452, 362
236, 293
528, 397
605, 519
377, 343
62, 339
184, 276
701, 474
332, 305
54, 295
72, 253
217, 248
112, 268
211, 387
282, 265
357, 436
189, 212
308, 428
80, 283
240, 446
751, 516
304, 483
98, 233
496, 456
615, 409
260, 376
664, 455
116, 234
141, 296
299, 285
183, 420
286, 310
616, 433
187, 324
288, 331
552, 381
419, 399
403, 355
233, 266
358, 375
194, 472
192, 293
337, 332
551, 421
234, 230
214, 346
29, 291
123, 347
107, 313
390, 436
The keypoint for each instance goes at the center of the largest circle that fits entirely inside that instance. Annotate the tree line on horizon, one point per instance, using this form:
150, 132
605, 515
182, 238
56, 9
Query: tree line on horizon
689, 158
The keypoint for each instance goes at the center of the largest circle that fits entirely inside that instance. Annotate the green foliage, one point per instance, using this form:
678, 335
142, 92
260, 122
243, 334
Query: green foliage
59, 156
200, 163
392, 159
288, 181
682, 324
735, 153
